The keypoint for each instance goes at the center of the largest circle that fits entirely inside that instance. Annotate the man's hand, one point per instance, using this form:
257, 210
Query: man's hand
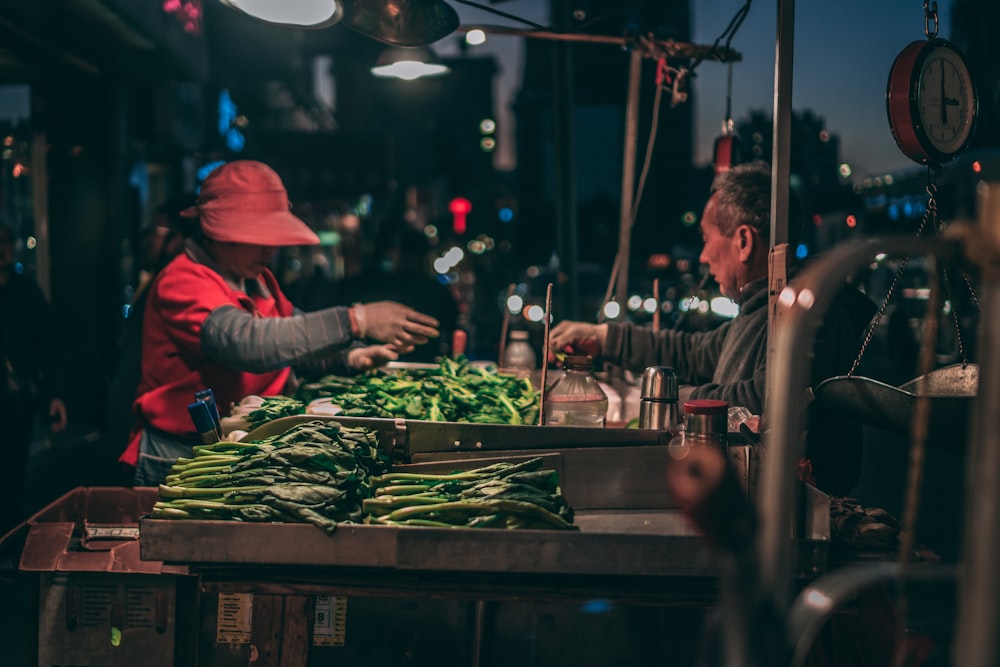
577, 338
373, 356
393, 323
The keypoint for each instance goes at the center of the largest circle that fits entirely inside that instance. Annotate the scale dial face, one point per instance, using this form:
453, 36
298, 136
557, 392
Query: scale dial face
931, 101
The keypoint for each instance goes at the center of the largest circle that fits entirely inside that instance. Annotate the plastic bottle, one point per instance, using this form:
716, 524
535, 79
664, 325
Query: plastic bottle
576, 398
519, 353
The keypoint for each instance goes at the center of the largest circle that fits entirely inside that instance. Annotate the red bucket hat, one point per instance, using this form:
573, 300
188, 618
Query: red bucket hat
244, 201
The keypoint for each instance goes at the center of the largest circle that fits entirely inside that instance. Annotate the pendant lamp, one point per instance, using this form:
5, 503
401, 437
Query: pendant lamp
408, 63
401, 22
296, 13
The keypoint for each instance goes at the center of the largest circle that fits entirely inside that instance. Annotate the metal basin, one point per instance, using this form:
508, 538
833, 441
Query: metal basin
951, 391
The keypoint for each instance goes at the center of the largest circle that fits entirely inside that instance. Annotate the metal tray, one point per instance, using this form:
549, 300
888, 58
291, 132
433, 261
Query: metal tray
402, 438
951, 391
659, 543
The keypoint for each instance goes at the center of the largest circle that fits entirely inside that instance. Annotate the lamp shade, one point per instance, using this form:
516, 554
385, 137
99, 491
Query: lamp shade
401, 22
408, 63
297, 13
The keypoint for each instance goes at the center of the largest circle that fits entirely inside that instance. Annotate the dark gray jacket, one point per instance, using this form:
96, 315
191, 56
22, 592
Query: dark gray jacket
726, 363
729, 363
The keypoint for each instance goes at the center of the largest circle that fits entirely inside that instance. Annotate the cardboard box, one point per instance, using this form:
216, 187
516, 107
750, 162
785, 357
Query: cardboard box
98, 603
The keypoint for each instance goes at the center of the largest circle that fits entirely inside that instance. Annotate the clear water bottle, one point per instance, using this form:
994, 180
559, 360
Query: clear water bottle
576, 398
519, 353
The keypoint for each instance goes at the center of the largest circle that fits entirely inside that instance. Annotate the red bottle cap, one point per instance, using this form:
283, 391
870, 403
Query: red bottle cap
706, 406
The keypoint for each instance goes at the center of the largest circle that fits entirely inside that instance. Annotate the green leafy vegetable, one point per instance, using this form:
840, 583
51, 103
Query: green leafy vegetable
454, 391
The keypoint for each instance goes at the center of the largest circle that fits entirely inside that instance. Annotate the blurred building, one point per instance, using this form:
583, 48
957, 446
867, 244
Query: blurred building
597, 123
974, 31
122, 104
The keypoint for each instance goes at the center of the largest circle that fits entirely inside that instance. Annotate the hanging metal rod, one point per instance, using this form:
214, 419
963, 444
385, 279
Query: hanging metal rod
653, 48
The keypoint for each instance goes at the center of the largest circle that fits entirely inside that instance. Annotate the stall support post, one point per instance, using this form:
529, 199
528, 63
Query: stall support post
566, 218
628, 176
777, 519
40, 191
976, 638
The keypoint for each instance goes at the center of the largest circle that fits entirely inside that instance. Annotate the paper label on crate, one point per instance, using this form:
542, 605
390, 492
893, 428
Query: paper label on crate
235, 618
111, 533
329, 621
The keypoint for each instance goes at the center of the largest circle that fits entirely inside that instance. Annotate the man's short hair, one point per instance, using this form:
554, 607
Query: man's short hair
743, 196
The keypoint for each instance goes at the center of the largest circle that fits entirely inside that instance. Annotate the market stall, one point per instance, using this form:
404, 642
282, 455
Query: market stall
631, 563
629, 578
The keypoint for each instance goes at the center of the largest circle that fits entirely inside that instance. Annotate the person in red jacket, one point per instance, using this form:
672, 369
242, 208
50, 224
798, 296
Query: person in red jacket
216, 319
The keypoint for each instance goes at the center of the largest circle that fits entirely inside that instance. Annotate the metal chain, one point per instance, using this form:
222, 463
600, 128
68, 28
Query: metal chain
929, 214
930, 18
972, 291
954, 314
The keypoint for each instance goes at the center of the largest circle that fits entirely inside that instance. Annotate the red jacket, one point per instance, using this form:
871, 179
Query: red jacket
173, 364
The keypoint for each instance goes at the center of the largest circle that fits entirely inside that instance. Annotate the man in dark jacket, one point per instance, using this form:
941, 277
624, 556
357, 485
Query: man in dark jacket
729, 362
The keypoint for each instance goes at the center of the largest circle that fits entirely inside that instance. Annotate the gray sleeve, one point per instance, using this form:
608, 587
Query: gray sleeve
692, 354
236, 338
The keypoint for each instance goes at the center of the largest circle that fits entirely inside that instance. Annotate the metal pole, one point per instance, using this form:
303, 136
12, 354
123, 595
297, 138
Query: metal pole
628, 175
780, 156
774, 574
976, 637
803, 305
40, 191
481, 634
566, 221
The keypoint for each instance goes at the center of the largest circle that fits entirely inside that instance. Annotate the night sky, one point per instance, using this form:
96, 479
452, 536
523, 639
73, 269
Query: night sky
843, 53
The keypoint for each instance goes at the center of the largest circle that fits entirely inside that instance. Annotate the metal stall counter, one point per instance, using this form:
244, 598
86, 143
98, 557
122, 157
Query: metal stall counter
632, 583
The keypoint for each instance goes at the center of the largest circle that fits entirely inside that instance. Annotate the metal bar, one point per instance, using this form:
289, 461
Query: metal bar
777, 261
565, 177
40, 190
416, 436
780, 157
976, 638
628, 175
782, 122
505, 324
821, 599
545, 356
656, 298
669, 47
480, 634
803, 304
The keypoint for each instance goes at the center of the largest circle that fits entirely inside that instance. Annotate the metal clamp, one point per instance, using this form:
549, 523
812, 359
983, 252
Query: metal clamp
400, 440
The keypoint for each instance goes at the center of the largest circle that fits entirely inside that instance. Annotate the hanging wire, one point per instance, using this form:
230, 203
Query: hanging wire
493, 10
663, 75
929, 215
727, 34
678, 77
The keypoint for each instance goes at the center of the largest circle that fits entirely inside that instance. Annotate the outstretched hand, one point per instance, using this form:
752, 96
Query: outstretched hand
393, 323
577, 338
373, 356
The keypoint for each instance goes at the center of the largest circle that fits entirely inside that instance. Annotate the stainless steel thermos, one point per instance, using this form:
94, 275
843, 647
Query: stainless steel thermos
658, 407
